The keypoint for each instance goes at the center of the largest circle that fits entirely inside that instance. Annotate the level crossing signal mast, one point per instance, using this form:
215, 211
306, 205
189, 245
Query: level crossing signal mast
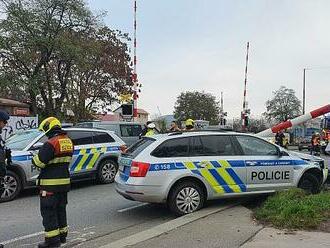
223, 114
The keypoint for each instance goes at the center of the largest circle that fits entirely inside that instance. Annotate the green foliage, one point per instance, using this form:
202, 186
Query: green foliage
294, 209
283, 106
61, 56
161, 125
197, 106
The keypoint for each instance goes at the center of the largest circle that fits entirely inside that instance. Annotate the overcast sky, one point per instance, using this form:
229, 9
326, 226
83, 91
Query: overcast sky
201, 45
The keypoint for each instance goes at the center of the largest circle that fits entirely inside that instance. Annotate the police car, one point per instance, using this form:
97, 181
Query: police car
95, 156
186, 169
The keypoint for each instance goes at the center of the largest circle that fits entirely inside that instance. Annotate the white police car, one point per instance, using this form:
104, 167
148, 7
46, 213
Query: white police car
186, 169
95, 156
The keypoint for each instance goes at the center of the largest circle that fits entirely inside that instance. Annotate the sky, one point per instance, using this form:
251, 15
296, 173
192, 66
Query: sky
187, 45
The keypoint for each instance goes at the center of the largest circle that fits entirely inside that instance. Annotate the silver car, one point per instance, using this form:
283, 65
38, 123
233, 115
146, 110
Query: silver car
129, 132
186, 169
95, 156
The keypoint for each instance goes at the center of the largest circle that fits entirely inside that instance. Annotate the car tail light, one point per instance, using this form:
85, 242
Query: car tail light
123, 148
139, 169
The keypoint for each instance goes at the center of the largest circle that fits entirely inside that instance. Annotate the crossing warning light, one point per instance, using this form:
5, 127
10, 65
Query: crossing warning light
127, 110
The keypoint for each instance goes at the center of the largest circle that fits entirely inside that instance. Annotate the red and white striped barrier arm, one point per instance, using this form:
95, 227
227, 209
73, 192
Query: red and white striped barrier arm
296, 121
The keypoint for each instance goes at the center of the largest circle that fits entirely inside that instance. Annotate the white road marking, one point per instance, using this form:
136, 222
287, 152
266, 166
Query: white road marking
133, 207
22, 238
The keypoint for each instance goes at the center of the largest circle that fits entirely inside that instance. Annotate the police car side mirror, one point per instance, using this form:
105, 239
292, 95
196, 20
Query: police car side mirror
36, 146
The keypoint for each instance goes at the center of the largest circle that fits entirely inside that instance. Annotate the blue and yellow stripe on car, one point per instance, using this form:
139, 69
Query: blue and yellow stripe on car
87, 157
220, 174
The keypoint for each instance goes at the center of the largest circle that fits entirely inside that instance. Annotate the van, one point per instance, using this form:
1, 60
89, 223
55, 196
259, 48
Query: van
129, 132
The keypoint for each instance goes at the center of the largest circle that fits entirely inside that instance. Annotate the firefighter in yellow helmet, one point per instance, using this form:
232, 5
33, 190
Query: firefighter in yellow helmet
190, 125
150, 129
53, 160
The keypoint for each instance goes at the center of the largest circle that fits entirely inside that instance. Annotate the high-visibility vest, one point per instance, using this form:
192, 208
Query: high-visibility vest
53, 160
150, 132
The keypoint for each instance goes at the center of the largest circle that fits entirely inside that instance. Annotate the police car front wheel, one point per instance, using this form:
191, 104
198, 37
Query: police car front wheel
186, 197
107, 171
12, 187
309, 183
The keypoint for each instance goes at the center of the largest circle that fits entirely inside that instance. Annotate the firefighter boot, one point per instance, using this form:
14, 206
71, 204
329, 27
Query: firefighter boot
62, 238
50, 243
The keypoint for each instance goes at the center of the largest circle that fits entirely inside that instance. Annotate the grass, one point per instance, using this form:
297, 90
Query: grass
294, 209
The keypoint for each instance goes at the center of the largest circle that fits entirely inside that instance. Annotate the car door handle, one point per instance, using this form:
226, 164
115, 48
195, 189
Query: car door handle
251, 163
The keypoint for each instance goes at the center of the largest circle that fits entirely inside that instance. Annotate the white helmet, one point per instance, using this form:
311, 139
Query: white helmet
151, 125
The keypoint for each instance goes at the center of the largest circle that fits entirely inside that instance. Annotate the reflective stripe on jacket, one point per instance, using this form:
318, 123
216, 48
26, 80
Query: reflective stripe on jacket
53, 159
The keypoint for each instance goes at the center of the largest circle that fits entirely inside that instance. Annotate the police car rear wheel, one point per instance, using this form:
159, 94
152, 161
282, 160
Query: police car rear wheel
12, 187
309, 183
186, 198
107, 171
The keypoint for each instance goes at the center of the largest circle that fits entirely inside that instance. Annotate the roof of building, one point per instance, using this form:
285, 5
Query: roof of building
14, 103
139, 110
142, 111
107, 117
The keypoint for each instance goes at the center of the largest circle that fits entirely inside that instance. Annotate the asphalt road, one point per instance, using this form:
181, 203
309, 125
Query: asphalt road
93, 210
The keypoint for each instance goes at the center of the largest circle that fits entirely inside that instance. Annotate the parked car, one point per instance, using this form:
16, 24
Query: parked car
186, 169
305, 143
95, 157
128, 131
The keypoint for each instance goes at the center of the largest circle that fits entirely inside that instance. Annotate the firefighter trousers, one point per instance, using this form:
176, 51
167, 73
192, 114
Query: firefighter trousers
53, 212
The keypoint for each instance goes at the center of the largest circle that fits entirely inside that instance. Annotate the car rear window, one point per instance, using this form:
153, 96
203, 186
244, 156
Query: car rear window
213, 145
81, 137
102, 137
172, 148
138, 147
130, 130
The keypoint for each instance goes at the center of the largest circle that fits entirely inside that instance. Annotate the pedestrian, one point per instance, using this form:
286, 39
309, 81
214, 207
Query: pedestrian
190, 125
316, 143
279, 138
174, 127
53, 160
4, 154
151, 129
145, 129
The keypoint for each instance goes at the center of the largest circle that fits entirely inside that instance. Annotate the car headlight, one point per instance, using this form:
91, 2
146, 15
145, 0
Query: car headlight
319, 163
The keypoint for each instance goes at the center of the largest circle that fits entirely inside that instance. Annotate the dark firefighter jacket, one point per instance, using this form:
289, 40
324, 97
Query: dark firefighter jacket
53, 160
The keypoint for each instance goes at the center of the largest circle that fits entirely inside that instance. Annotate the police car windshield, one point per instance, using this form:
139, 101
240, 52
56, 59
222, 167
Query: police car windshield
138, 147
20, 140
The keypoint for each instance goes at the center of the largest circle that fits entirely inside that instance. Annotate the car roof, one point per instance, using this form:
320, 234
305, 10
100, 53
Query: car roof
119, 122
86, 129
111, 122
194, 133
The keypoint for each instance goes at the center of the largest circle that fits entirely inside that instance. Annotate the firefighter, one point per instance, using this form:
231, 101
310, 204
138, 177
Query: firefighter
151, 127
53, 161
316, 143
190, 125
4, 154
280, 138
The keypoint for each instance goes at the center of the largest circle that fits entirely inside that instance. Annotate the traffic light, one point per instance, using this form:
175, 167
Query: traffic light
127, 110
